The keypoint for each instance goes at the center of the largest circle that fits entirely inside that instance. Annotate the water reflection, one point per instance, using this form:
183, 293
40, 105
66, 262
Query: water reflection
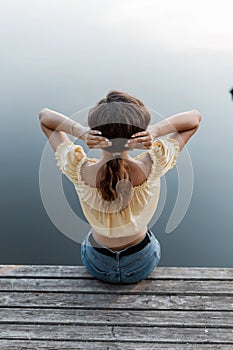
66, 56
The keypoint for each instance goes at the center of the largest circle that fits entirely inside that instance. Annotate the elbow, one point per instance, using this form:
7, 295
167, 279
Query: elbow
196, 117
42, 113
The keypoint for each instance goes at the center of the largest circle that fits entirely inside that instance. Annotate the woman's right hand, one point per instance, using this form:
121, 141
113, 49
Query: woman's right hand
94, 139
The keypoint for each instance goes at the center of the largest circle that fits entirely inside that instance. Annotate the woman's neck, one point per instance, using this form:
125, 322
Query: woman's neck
108, 155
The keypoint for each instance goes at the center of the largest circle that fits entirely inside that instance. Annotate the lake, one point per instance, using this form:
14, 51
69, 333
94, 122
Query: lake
66, 56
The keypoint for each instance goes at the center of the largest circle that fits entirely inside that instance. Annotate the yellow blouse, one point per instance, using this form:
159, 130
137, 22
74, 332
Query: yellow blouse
143, 202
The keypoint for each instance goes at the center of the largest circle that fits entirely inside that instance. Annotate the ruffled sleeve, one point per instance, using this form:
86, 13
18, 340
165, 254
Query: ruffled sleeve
68, 155
164, 153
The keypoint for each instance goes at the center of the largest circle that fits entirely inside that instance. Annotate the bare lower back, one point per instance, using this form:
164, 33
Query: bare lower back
121, 242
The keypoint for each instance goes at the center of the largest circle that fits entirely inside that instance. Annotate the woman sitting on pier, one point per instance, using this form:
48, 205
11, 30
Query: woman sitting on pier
118, 193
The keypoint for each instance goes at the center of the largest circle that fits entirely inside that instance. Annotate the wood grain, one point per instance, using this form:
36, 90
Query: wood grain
64, 307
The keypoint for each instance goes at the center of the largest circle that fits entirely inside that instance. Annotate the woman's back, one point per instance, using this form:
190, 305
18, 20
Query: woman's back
109, 224
138, 170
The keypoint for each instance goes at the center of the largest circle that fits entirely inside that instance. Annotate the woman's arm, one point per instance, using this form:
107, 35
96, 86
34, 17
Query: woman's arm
183, 125
54, 137
176, 123
56, 125
59, 122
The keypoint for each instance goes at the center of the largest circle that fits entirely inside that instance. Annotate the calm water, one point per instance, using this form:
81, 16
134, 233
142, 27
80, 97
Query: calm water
66, 56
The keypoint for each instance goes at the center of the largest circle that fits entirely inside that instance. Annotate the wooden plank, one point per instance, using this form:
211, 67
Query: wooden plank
53, 271
64, 307
5, 269
144, 287
117, 317
117, 301
116, 333
98, 345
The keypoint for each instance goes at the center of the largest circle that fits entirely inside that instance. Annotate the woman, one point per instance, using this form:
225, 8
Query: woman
119, 193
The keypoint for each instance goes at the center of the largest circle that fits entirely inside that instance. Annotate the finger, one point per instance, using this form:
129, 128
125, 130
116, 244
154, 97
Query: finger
138, 146
134, 144
95, 132
96, 138
141, 133
140, 139
99, 145
131, 146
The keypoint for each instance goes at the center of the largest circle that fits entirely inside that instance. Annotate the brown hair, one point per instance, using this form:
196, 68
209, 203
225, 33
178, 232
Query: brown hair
117, 116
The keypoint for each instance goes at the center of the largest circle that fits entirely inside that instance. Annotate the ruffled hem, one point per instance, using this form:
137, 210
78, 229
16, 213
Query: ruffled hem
93, 199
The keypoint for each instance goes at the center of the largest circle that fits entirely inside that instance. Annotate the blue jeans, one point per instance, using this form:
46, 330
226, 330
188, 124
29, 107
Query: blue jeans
121, 269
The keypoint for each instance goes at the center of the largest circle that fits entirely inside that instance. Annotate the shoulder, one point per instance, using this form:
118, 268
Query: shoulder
68, 156
144, 162
164, 148
164, 153
162, 156
69, 149
163, 144
65, 145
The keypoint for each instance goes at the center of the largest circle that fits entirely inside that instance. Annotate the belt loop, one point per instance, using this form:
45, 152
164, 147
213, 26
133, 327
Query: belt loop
87, 237
149, 234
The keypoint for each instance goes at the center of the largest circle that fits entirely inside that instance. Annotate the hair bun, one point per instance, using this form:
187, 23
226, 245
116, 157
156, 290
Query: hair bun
120, 96
115, 96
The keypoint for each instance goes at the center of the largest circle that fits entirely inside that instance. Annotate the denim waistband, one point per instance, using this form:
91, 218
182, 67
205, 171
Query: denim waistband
127, 251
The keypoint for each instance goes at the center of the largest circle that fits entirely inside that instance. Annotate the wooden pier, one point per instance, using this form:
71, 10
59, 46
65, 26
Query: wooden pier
64, 307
